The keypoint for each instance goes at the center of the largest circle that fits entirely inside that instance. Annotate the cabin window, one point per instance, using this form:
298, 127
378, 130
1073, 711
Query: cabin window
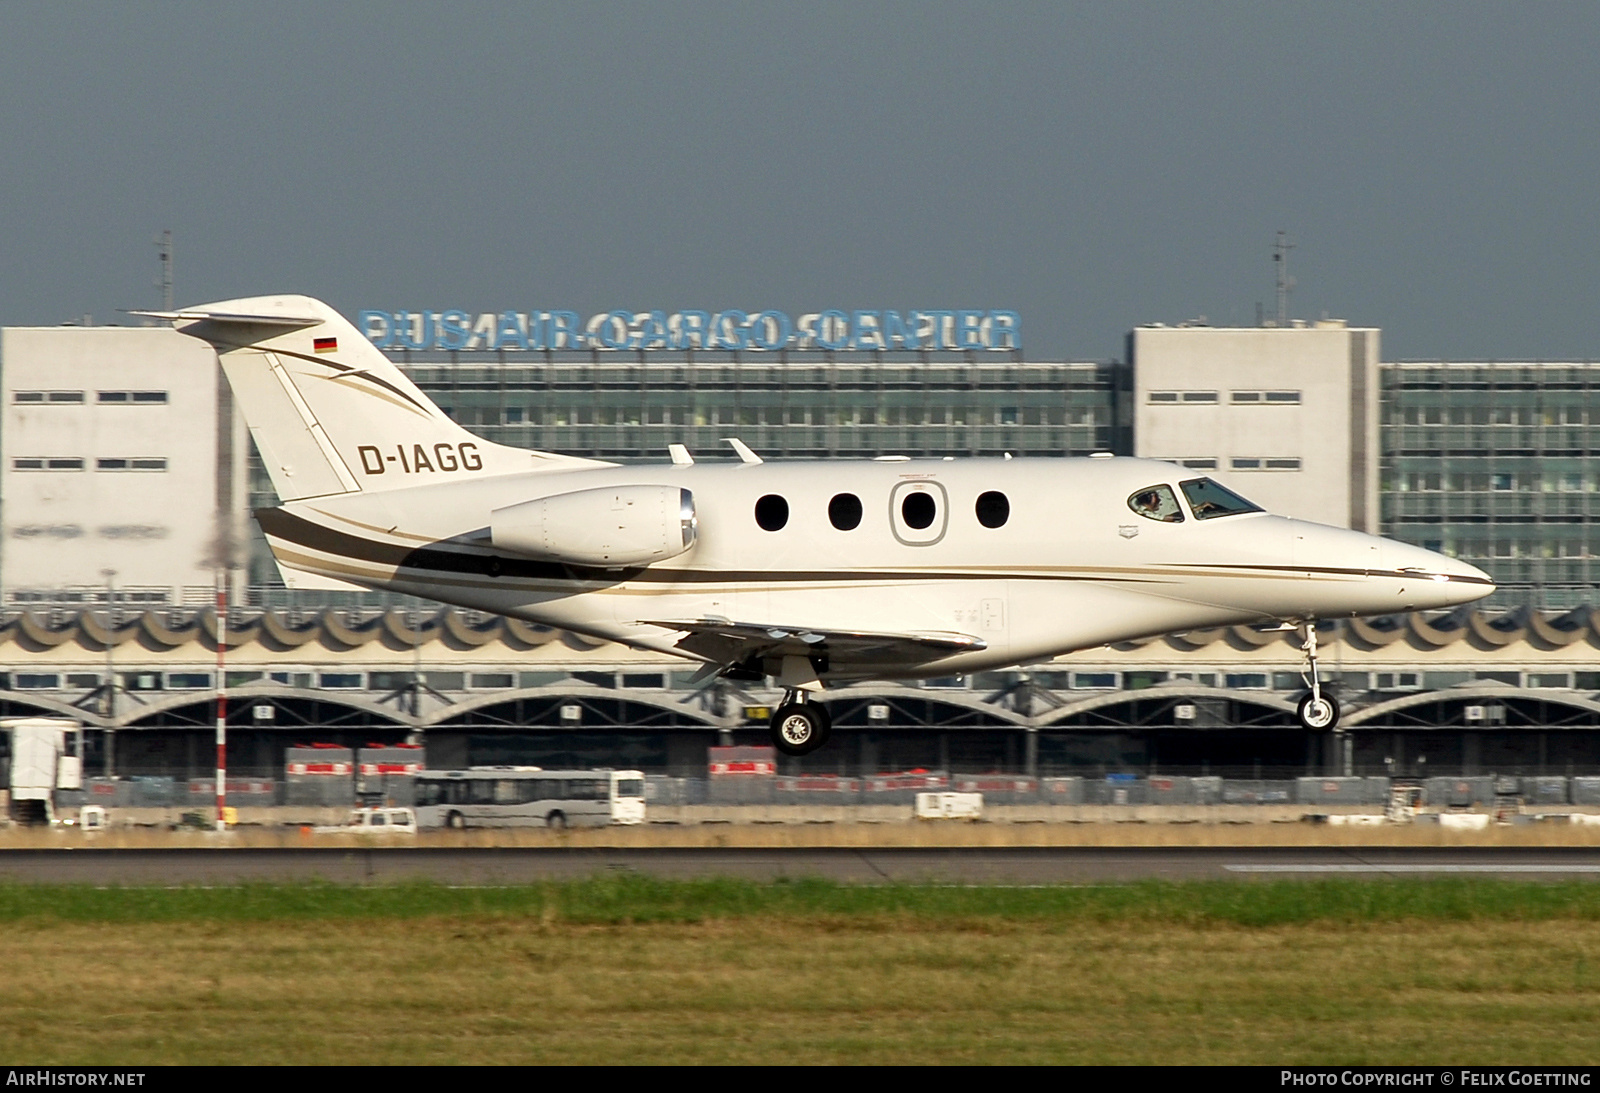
844, 511
993, 508
1208, 499
1157, 503
772, 512
918, 510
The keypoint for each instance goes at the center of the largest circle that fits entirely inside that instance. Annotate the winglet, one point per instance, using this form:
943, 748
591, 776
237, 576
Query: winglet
680, 455
742, 449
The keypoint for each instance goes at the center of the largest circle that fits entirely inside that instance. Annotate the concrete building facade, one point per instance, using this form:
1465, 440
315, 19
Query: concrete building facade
1287, 415
122, 465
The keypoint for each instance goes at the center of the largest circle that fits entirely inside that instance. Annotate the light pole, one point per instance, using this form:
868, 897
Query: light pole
222, 696
110, 576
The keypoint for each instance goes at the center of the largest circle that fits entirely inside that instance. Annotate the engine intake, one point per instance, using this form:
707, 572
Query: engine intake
619, 526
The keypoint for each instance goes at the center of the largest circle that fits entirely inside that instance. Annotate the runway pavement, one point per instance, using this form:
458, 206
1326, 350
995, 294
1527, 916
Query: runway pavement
962, 865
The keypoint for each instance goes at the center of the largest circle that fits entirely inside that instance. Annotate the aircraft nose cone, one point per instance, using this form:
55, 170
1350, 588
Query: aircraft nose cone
1440, 581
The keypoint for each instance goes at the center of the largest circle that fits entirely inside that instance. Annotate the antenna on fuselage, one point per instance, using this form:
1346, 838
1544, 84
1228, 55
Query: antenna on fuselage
742, 450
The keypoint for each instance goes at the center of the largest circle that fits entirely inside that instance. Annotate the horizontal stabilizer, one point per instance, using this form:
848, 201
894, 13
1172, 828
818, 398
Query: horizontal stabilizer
231, 317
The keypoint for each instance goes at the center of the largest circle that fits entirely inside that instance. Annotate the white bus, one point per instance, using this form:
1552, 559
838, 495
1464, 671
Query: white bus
529, 797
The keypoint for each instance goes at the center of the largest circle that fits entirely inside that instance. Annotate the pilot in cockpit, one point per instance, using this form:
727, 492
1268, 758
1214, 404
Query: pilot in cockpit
1157, 503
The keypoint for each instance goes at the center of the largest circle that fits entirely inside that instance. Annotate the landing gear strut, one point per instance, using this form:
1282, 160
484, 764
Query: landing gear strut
1316, 710
799, 727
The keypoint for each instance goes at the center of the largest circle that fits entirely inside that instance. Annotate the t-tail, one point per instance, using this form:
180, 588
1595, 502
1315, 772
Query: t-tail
329, 413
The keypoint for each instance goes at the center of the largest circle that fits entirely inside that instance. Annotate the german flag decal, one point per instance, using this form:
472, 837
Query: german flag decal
326, 345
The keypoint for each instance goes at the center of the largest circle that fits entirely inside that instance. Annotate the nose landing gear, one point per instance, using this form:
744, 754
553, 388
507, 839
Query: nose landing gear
1316, 710
798, 726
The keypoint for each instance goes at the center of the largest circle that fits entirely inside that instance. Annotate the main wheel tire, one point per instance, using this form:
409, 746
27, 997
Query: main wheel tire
556, 820
799, 728
455, 820
1318, 713
827, 719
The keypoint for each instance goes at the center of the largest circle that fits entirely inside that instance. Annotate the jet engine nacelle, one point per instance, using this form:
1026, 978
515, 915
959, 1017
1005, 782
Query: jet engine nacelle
619, 526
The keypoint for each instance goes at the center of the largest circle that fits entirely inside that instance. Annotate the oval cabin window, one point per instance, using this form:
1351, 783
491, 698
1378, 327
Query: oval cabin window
918, 510
844, 511
772, 512
994, 509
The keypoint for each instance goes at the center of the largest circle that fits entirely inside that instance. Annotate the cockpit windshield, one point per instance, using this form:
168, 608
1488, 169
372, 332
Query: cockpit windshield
1210, 500
1157, 503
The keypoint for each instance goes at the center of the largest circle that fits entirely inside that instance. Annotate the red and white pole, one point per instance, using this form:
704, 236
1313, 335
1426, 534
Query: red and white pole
222, 696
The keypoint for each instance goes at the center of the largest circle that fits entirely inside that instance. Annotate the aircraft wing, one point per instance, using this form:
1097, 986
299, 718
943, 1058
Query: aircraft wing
729, 643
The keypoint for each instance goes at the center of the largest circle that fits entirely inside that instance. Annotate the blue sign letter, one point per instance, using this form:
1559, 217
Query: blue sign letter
866, 332
454, 329
378, 328
833, 330
770, 330
1005, 330
563, 331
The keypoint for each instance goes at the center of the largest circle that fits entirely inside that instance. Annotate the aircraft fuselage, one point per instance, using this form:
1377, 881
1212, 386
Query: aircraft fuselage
1069, 563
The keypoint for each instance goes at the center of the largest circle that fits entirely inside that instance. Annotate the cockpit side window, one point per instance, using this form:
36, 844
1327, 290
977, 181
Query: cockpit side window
1157, 503
1209, 500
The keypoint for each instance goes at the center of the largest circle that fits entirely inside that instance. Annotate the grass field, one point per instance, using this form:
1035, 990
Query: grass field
635, 970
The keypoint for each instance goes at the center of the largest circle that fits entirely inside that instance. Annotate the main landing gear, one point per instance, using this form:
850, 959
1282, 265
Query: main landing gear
799, 727
1316, 710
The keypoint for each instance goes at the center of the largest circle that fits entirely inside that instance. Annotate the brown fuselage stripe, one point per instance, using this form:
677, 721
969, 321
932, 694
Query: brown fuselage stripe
283, 525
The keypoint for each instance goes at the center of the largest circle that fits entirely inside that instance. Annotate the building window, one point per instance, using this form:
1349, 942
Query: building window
58, 398
1190, 398
1194, 462
1260, 463
43, 463
1266, 398
131, 398
118, 463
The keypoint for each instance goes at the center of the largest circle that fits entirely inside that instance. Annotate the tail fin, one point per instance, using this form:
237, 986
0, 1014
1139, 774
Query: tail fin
329, 413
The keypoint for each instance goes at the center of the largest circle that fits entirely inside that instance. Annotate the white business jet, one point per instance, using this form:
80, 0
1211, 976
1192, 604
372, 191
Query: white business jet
807, 573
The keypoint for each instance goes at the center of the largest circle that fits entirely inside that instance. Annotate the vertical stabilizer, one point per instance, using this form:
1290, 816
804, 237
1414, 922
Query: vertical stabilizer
329, 413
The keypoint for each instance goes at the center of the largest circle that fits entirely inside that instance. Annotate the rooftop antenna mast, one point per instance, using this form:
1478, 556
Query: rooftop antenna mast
164, 246
1280, 263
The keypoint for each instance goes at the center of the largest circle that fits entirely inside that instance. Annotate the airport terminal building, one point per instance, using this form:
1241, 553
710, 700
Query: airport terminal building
125, 474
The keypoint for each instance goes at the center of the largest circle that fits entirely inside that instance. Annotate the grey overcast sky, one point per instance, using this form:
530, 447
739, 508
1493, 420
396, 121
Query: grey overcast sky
1091, 165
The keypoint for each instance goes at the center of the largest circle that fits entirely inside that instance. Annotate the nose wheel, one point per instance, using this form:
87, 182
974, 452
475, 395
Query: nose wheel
1316, 710
800, 727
